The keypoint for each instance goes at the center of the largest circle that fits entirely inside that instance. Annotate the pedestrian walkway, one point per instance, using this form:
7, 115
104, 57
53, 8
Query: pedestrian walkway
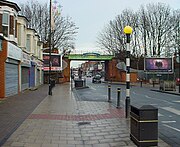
15, 109
62, 121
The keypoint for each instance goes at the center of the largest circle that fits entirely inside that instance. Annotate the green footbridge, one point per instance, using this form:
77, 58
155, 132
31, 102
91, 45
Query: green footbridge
89, 56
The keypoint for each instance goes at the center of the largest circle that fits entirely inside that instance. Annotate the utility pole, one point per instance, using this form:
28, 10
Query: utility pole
179, 51
50, 63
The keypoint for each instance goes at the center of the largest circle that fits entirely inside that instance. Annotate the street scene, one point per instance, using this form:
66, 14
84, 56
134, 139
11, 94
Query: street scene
84, 117
167, 104
89, 73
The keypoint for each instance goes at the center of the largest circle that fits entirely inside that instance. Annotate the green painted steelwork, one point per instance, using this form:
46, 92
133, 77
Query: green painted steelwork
89, 56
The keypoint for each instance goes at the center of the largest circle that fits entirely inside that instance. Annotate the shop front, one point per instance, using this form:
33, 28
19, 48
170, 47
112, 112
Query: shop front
32, 73
12, 69
25, 69
39, 73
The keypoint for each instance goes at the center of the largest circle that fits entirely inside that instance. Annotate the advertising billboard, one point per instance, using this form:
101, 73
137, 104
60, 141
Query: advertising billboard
55, 60
158, 65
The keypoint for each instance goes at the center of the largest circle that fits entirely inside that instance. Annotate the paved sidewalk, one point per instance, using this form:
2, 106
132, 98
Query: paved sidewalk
15, 109
62, 121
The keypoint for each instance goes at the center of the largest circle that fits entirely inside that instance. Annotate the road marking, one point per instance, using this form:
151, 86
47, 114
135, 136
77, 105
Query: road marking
175, 111
147, 96
92, 88
176, 101
158, 99
166, 122
159, 114
172, 128
154, 104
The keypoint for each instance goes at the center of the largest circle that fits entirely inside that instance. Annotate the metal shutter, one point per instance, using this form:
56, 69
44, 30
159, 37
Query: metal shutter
38, 78
24, 78
32, 76
11, 79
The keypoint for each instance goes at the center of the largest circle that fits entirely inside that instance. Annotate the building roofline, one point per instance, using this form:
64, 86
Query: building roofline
23, 17
32, 30
11, 4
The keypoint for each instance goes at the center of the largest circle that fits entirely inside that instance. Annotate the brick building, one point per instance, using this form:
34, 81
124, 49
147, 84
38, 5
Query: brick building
20, 52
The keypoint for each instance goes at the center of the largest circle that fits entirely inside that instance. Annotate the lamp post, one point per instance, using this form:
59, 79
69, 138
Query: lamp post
50, 13
179, 52
128, 32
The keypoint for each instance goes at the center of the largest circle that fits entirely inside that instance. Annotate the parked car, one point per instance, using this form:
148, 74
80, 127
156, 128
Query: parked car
96, 79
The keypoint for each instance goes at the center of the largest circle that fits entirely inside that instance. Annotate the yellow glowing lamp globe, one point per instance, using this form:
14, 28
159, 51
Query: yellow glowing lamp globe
128, 30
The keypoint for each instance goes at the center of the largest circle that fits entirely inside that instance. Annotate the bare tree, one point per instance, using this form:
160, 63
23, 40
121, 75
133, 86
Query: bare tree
38, 15
176, 32
153, 30
159, 27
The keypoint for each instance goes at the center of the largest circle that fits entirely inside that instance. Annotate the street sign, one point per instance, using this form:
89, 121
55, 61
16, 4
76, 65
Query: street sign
121, 66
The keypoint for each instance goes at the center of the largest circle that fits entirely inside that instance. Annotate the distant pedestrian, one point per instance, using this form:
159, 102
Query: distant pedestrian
72, 76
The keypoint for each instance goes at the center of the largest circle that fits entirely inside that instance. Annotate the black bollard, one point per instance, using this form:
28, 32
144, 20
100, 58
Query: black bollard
109, 93
141, 83
153, 83
118, 97
50, 87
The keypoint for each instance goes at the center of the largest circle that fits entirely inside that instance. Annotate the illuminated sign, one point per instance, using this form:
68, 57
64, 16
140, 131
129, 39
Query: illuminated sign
158, 64
52, 68
55, 62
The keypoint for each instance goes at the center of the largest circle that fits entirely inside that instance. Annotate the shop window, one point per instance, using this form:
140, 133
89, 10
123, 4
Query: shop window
19, 35
28, 43
5, 24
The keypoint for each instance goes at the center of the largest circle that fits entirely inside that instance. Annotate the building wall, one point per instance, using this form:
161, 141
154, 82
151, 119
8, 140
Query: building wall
3, 56
66, 71
21, 31
116, 75
12, 11
17, 35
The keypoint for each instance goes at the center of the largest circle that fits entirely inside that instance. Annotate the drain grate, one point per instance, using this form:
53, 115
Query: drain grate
83, 123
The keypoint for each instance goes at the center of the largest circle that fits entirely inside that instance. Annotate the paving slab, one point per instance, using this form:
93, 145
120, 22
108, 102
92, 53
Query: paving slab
62, 121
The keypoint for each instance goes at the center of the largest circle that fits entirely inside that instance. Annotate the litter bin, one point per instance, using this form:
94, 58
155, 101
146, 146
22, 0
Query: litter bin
79, 83
144, 125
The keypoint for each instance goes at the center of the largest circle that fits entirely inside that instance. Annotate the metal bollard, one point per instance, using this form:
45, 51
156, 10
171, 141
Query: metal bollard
141, 83
85, 82
118, 97
71, 84
109, 93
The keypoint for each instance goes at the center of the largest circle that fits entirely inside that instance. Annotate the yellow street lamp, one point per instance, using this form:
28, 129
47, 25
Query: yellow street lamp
128, 32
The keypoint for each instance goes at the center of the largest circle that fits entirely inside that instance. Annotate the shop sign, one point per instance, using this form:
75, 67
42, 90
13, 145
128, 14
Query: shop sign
13, 51
33, 61
26, 59
39, 64
52, 68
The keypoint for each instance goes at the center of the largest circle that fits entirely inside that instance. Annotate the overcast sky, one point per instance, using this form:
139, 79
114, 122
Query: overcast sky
92, 15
